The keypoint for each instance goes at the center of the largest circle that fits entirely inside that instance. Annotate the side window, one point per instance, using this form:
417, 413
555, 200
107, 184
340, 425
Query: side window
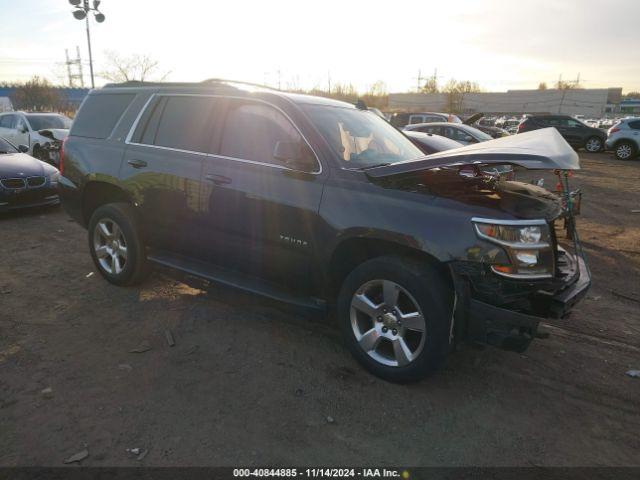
184, 123
8, 121
416, 119
457, 134
573, 123
551, 122
21, 125
635, 125
148, 125
252, 130
99, 114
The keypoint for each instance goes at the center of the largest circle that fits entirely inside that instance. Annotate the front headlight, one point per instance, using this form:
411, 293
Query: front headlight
527, 244
54, 177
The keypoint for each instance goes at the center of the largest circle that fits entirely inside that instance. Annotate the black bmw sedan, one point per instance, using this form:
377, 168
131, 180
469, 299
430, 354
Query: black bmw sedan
25, 181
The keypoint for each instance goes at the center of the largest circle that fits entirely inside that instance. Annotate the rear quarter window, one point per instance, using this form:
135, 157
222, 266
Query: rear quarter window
99, 114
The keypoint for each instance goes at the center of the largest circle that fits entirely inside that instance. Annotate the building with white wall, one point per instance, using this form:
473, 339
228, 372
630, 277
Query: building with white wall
590, 102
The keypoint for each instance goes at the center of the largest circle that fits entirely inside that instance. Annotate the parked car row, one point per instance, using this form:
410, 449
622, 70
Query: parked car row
42, 133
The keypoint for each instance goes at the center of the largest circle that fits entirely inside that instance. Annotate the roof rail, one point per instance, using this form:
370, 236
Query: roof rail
138, 83
240, 82
204, 83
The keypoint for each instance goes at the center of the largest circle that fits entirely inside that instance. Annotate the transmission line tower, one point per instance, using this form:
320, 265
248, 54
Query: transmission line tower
74, 69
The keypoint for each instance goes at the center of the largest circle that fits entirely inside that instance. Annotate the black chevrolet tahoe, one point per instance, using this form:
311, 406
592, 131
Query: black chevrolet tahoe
323, 204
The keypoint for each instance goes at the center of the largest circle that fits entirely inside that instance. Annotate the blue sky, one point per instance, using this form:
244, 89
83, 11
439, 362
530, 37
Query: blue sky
501, 44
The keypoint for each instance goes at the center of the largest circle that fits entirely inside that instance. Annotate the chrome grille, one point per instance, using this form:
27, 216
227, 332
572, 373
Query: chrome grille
35, 181
13, 182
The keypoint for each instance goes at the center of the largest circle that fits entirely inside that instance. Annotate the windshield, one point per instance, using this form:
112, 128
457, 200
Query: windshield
6, 147
361, 139
480, 135
39, 122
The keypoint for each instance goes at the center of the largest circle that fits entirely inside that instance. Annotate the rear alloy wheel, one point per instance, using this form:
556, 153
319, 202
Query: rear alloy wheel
625, 150
116, 245
395, 315
110, 246
593, 145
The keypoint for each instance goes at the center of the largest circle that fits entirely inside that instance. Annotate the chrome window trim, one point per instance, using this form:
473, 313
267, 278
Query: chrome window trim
242, 160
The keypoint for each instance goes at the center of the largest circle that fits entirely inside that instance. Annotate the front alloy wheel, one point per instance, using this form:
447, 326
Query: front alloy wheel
624, 151
381, 309
110, 246
388, 323
593, 145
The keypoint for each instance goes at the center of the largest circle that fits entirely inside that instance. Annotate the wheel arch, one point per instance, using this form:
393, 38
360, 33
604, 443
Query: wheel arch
351, 252
630, 141
98, 193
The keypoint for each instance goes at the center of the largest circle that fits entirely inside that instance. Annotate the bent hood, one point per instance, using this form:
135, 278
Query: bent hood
54, 133
543, 149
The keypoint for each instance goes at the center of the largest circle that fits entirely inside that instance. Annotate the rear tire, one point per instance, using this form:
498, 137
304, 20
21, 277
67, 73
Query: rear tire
116, 245
395, 316
593, 144
625, 150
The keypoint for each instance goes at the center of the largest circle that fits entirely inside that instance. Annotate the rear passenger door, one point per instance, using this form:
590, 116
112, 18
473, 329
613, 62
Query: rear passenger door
163, 165
573, 131
260, 216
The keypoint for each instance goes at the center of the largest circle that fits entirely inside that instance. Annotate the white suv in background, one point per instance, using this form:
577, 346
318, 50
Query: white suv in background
22, 128
624, 138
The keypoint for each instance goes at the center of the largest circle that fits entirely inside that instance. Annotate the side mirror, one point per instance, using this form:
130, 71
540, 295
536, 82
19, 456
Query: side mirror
23, 149
23, 129
294, 155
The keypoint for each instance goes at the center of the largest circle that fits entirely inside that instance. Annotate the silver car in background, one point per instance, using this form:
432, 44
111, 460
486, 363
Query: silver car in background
624, 138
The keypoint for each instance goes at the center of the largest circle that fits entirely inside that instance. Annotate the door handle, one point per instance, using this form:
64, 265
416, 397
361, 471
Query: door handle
218, 179
137, 163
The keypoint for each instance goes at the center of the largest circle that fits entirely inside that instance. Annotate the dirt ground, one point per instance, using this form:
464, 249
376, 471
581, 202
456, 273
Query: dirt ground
253, 382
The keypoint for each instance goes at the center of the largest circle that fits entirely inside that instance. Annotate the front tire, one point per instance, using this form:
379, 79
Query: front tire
395, 316
625, 151
593, 145
116, 244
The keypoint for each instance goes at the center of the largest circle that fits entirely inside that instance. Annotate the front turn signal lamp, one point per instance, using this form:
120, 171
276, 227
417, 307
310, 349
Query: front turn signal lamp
527, 243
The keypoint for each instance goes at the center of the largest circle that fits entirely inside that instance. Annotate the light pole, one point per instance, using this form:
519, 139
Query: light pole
81, 12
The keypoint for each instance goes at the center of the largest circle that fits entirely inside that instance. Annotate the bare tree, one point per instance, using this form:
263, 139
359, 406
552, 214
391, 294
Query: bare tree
456, 90
128, 68
430, 86
36, 95
568, 84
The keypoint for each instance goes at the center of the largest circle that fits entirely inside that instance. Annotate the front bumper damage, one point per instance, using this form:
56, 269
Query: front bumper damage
506, 313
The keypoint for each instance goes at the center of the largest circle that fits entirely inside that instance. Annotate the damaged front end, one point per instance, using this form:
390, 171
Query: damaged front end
526, 262
539, 273
50, 150
503, 309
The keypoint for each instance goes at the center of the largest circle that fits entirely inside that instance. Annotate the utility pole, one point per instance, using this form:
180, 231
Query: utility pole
419, 86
